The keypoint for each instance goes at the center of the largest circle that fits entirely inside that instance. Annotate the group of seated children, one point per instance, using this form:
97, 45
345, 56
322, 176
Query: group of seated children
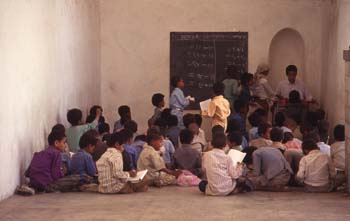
275, 155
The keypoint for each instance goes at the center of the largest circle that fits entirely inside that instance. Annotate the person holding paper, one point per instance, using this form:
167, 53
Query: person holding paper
178, 101
111, 176
219, 107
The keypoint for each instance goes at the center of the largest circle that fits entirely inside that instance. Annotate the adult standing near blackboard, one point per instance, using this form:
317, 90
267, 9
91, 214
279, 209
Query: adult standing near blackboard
231, 83
178, 101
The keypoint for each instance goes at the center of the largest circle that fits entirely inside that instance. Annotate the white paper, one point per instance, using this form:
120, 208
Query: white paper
205, 105
236, 156
139, 176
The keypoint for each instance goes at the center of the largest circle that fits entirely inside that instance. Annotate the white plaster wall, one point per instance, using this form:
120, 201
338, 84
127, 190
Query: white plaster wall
333, 79
50, 62
135, 41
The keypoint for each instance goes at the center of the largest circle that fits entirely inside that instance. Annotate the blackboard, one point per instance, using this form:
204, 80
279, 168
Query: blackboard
201, 59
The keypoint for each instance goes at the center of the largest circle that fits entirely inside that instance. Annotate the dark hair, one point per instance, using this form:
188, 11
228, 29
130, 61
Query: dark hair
113, 139
157, 99
174, 80
141, 137
123, 111
74, 116
198, 119
131, 126
279, 119
339, 132
186, 136
294, 97
59, 128
125, 135
55, 135
287, 136
254, 119
233, 125
262, 128
238, 104
188, 119
248, 159
235, 137
172, 121
218, 88
161, 123
153, 136
261, 112
232, 72
276, 134
87, 139
219, 140
309, 145
314, 136
321, 114
103, 128
124, 120
165, 113
92, 132
217, 129
245, 78
291, 68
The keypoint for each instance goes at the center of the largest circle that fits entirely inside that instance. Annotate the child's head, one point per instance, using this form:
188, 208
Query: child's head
287, 136
291, 72
59, 128
131, 126
294, 97
177, 81
247, 79
314, 136
165, 113
172, 121
186, 136
232, 126
234, 139
306, 128
241, 106
158, 100
92, 114
218, 88
279, 119
114, 142
309, 145
276, 134
93, 110
88, 141
339, 132
141, 137
103, 128
74, 116
188, 119
248, 159
217, 129
155, 140
254, 119
125, 136
124, 111
57, 140
264, 130
219, 140
198, 119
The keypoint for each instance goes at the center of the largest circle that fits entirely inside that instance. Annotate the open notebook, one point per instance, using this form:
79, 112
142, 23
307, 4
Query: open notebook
139, 176
236, 156
204, 105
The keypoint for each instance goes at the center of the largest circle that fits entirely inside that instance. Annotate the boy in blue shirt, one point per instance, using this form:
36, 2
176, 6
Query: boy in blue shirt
82, 162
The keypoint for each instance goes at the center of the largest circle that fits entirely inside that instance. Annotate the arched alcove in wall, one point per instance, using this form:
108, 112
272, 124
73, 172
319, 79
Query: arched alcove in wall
287, 47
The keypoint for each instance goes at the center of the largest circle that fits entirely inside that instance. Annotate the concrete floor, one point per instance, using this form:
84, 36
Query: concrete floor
175, 203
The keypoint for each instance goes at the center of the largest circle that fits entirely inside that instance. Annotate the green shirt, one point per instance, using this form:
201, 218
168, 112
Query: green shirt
75, 132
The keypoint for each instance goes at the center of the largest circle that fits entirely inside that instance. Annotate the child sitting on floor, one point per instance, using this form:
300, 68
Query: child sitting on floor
235, 141
74, 117
158, 102
82, 162
264, 130
316, 170
338, 153
220, 171
111, 177
150, 159
125, 115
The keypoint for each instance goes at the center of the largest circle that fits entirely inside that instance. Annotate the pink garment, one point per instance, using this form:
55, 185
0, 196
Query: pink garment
293, 145
187, 179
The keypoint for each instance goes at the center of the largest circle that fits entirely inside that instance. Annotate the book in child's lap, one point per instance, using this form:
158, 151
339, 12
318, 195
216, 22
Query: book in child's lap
139, 176
236, 156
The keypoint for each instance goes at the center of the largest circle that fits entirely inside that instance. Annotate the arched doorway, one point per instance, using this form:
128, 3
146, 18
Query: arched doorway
287, 47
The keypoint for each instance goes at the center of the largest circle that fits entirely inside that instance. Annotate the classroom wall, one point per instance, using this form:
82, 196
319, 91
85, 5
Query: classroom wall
135, 41
333, 76
50, 62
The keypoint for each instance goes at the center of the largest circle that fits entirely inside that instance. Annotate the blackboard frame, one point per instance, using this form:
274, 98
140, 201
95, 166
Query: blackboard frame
201, 58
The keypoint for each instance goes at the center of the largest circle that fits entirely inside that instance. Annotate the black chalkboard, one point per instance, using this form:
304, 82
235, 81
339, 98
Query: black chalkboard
201, 59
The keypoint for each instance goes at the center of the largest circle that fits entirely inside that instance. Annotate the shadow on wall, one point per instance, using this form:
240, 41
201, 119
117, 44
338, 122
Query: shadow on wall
287, 47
